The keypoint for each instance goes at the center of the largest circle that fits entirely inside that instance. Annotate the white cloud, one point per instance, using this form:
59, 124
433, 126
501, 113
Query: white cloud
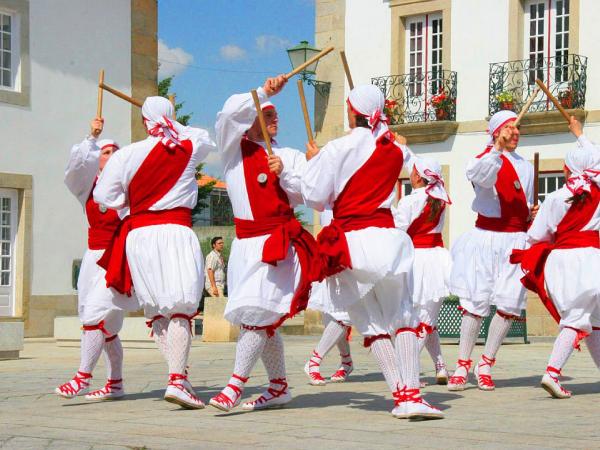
267, 43
232, 52
172, 61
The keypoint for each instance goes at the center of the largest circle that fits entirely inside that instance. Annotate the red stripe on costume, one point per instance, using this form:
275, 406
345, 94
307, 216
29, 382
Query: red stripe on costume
357, 206
420, 229
102, 225
568, 235
155, 177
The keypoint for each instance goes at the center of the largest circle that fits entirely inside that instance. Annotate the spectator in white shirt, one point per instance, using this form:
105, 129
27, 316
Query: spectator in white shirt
215, 268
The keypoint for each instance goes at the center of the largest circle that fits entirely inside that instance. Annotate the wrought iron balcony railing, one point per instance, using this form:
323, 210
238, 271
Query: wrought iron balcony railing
512, 82
419, 96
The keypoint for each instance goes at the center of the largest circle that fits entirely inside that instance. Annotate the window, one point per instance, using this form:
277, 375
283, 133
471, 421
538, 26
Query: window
549, 182
546, 37
8, 232
424, 42
403, 188
8, 51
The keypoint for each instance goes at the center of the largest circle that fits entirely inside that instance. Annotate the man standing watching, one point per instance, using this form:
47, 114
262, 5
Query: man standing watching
215, 268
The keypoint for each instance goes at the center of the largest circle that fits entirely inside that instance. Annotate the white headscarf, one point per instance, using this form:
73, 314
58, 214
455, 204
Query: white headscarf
368, 101
157, 113
105, 143
497, 121
430, 170
584, 164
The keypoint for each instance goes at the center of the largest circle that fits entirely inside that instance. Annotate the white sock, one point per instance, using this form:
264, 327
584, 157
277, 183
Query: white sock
593, 344
383, 351
345, 355
113, 355
179, 341
159, 332
496, 334
432, 344
563, 347
92, 343
407, 351
469, 330
332, 333
273, 357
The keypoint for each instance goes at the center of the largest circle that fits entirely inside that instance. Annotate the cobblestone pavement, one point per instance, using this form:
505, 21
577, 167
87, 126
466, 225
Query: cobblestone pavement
355, 414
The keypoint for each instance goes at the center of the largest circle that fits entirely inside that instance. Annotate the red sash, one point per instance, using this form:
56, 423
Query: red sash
155, 177
102, 225
274, 216
514, 212
420, 230
357, 206
568, 235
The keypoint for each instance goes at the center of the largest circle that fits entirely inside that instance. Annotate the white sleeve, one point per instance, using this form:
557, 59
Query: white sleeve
110, 189
585, 143
406, 211
201, 142
409, 157
234, 120
484, 171
82, 168
318, 179
550, 214
294, 164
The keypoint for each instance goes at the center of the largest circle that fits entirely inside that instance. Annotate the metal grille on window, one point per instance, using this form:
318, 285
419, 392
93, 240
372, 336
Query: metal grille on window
5, 241
549, 182
5, 51
536, 41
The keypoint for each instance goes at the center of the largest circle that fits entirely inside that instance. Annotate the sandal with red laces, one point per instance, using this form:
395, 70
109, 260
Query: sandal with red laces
552, 385
223, 401
178, 393
79, 385
311, 369
343, 372
457, 382
273, 398
112, 390
411, 405
484, 381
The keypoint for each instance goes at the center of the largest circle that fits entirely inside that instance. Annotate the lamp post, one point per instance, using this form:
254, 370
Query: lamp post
299, 55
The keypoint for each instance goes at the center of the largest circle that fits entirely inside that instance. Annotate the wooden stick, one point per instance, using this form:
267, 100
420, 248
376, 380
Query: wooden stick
526, 106
536, 177
119, 94
261, 120
100, 93
309, 133
301, 67
347, 69
562, 110
172, 100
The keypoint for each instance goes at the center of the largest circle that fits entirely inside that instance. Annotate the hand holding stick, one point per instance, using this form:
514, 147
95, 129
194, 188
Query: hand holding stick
562, 110
309, 133
100, 93
347, 69
303, 66
261, 120
526, 106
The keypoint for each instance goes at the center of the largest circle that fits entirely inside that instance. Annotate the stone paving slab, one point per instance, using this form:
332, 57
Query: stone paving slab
350, 415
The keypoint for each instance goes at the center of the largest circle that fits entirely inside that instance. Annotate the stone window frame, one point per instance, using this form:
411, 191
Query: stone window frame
23, 184
20, 97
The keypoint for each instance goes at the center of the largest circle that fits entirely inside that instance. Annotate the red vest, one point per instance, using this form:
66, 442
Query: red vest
155, 177
357, 206
568, 235
514, 211
274, 216
419, 230
102, 225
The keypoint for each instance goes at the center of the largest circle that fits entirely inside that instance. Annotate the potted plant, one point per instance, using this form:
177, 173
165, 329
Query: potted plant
567, 98
443, 104
506, 100
392, 110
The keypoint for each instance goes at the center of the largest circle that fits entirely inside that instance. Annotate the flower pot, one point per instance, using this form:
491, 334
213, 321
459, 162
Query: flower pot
441, 114
507, 106
567, 102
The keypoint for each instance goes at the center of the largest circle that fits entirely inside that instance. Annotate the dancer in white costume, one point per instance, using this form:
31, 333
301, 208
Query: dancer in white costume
563, 263
369, 260
421, 214
337, 330
482, 274
273, 259
101, 309
155, 249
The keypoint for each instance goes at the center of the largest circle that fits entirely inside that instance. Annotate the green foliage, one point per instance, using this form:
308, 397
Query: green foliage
203, 195
300, 216
505, 96
163, 91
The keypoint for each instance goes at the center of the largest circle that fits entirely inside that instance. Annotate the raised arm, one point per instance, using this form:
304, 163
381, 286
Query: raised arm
483, 171
110, 189
202, 143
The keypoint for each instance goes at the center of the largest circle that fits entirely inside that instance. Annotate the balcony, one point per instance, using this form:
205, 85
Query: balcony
512, 82
421, 105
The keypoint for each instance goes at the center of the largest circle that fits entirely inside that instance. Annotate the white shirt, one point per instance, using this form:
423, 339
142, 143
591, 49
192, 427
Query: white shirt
410, 208
214, 261
483, 173
82, 168
236, 117
112, 186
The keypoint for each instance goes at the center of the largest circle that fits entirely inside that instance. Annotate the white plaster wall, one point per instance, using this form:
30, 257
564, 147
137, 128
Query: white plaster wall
69, 42
589, 40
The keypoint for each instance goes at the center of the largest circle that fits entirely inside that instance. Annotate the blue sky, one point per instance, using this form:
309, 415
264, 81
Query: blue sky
223, 47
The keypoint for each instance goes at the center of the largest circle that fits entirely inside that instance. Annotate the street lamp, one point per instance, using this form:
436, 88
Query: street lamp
299, 55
